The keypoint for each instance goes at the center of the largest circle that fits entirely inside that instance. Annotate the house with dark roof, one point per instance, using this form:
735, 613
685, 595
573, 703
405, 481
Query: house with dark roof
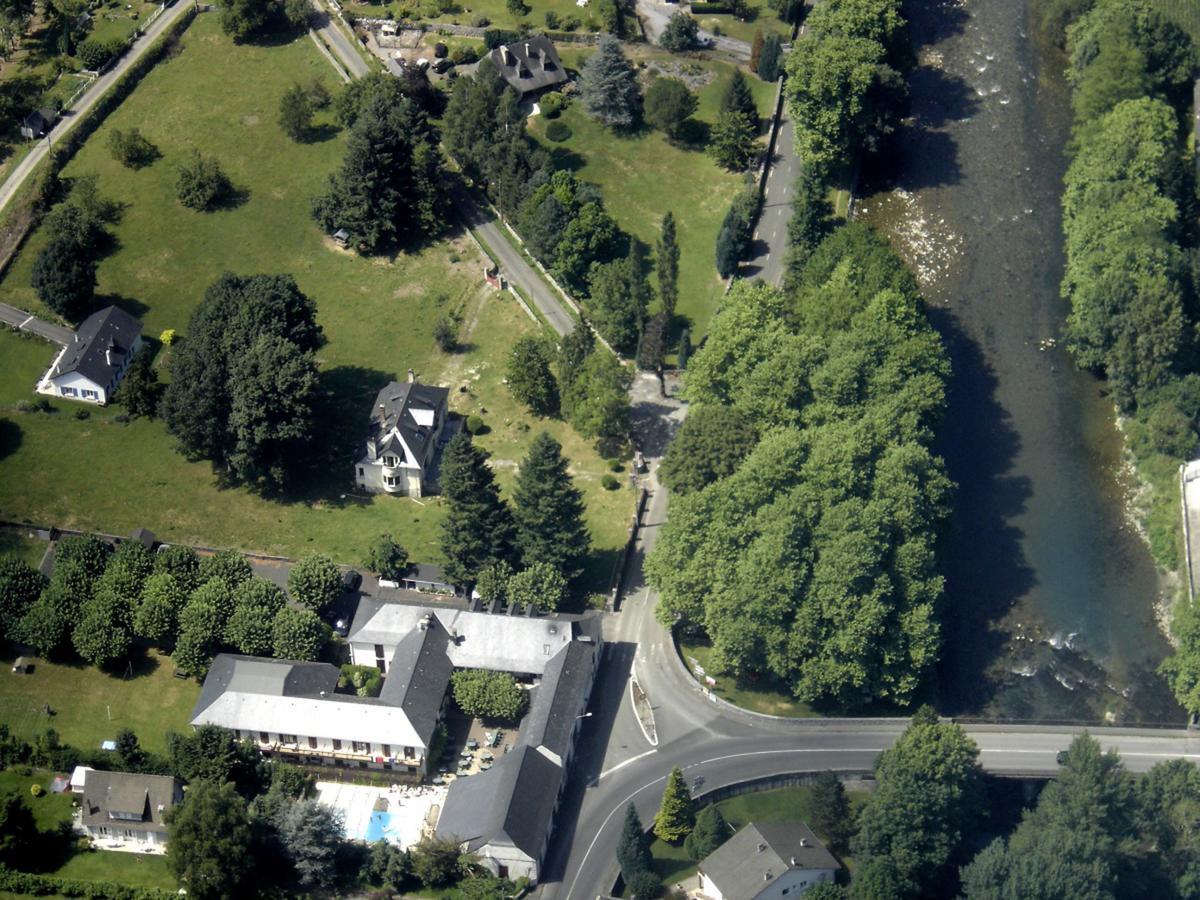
92, 364
530, 65
766, 861
126, 811
38, 122
403, 436
425, 577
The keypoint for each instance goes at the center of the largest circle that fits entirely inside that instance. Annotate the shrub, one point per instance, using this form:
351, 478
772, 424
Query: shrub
552, 104
557, 131
82, 414
201, 182
552, 21
440, 50
615, 465
475, 425
609, 483
571, 23
167, 337
94, 54
495, 37
480, 21
464, 55
37, 790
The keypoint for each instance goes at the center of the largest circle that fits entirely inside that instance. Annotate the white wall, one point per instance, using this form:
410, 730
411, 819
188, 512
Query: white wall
79, 384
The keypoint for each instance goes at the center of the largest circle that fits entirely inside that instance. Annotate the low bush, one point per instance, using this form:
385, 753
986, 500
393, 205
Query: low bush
552, 104
557, 131
475, 425
609, 483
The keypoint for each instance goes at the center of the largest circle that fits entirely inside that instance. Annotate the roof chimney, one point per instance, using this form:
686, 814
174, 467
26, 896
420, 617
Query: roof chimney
762, 847
412, 376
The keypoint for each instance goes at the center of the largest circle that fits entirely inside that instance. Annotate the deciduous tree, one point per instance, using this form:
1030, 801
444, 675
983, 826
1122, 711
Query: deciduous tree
540, 585
679, 33
709, 445
295, 110
297, 634
669, 104
202, 184
315, 581
209, 833
488, 694
386, 557
529, 375
157, 614
20, 586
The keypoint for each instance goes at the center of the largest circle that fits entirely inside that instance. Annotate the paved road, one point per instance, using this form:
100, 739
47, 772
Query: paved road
18, 175
334, 37
18, 318
771, 233
482, 221
656, 13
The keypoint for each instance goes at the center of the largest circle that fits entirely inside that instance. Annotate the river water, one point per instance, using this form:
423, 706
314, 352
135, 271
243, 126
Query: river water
1051, 592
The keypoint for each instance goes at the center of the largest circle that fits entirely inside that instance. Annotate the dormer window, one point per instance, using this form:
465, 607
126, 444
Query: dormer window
391, 460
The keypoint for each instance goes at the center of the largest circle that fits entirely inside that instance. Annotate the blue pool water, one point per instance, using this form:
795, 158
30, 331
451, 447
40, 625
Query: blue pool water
380, 828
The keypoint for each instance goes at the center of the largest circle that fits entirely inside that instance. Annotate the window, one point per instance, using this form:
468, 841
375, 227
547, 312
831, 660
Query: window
391, 461
379, 651
70, 392
387, 749
312, 743
408, 752
91, 395
502, 871
287, 739
362, 747
361, 472
264, 737
337, 745
392, 480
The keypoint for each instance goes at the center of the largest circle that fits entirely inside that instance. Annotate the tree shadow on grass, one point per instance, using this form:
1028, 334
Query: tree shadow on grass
233, 197
693, 135
135, 308
10, 441
319, 134
347, 395
566, 160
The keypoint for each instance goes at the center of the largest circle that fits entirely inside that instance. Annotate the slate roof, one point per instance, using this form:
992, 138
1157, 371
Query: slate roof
252, 694
558, 699
147, 797
529, 65
760, 853
86, 355
425, 572
393, 415
418, 676
502, 643
511, 804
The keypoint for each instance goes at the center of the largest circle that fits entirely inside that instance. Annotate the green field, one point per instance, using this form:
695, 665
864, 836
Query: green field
762, 19
22, 545
496, 12
644, 175
90, 706
1185, 13
377, 315
672, 865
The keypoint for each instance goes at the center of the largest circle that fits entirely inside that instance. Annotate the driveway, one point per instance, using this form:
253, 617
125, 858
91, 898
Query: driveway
18, 318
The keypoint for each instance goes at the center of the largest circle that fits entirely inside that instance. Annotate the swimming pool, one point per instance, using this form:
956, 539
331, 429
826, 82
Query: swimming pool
383, 826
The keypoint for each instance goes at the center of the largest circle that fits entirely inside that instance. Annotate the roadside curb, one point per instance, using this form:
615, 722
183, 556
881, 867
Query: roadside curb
642, 708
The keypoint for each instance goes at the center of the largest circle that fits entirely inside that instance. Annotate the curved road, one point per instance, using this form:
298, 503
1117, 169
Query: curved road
719, 744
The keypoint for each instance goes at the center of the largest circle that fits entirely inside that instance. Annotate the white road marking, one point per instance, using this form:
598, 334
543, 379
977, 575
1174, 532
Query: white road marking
627, 762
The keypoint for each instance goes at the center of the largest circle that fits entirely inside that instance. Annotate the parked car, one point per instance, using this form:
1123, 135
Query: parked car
351, 580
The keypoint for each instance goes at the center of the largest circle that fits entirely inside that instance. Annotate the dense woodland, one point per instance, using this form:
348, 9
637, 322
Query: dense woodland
1133, 262
803, 545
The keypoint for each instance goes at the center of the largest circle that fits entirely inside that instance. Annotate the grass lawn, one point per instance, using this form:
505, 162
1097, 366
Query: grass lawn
377, 315
131, 869
764, 697
49, 810
762, 18
91, 706
672, 865
1185, 13
644, 175
22, 545
496, 12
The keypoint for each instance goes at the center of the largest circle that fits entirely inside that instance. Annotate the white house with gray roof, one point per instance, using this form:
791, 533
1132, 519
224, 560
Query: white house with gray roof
127, 811
92, 364
767, 861
403, 436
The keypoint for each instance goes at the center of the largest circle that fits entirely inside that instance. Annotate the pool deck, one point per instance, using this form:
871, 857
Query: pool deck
412, 811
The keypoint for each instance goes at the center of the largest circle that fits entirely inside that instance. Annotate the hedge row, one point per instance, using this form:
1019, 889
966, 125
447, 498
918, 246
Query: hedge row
708, 9
44, 885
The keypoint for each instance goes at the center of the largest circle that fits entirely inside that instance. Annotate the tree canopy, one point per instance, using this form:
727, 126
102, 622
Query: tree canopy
488, 694
548, 509
479, 527
250, 339
608, 86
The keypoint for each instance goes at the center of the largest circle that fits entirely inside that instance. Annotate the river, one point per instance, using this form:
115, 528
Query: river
1051, 592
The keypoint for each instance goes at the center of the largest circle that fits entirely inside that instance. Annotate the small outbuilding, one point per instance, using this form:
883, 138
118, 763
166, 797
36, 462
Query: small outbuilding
38, 123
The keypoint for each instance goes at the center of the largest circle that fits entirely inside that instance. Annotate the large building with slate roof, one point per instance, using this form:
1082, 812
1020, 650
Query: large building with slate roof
505, 816
91, 366
767, 861
128, 810
292, 710
406, 428
529, 65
